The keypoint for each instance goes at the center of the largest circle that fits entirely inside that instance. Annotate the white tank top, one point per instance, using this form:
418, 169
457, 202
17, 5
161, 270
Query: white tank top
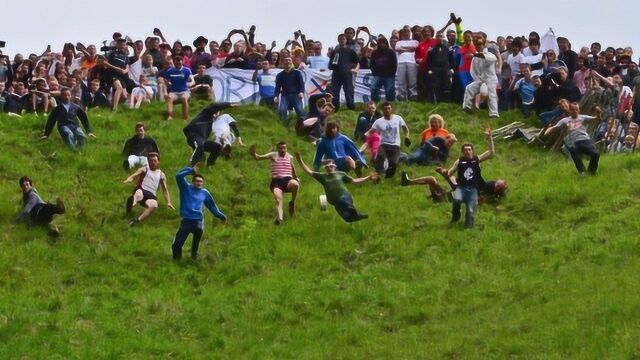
151, 180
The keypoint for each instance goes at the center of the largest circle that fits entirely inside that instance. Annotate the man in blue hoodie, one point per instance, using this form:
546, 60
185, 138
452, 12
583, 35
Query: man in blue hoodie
192, 196
339, 148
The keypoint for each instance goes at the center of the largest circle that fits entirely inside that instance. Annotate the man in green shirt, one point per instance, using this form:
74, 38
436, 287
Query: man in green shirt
334, 186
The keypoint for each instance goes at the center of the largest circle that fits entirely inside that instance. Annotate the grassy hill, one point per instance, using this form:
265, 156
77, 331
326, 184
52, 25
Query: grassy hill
552, 271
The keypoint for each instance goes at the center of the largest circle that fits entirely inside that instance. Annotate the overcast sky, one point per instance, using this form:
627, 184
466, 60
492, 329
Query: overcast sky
30, 27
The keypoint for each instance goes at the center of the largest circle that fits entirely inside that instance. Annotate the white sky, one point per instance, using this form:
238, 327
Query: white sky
30, 27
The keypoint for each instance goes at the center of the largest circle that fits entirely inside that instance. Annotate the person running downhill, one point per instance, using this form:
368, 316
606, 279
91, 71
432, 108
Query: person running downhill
283, 177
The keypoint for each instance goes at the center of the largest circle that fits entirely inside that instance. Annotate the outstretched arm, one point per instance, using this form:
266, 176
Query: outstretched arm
453, 169
489, 153
252, 152
165, 191
373, 177
302, 164
134, 175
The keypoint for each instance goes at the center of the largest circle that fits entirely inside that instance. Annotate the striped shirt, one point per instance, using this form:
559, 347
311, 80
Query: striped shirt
281, 166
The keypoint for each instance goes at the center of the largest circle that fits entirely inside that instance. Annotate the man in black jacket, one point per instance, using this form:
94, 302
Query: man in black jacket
199, 129
440, 64
383, 68
137, 148
344, 63
66, 114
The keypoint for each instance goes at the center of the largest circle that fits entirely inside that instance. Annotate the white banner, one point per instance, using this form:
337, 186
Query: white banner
234, 85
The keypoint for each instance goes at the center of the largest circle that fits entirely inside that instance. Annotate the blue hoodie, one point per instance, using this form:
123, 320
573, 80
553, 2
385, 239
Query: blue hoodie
192, 198
336, 148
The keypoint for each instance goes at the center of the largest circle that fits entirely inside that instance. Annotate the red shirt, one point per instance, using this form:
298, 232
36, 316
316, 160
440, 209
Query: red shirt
465, 63
422, 52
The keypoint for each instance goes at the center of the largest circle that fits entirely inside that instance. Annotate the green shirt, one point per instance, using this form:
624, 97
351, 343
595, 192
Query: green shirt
333, 184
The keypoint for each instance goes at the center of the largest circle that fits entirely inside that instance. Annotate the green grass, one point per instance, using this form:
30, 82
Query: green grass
550, 272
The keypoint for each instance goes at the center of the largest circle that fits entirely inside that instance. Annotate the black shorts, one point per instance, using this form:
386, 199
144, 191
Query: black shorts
146, 195
280, 183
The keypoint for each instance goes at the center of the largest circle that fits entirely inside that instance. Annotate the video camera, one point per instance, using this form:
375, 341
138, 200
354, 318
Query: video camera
3, 44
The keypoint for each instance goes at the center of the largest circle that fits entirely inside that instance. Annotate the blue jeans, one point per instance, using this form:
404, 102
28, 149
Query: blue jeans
419, 156
73, 135
468, 195
187, 226
389, 85
548, 116
285, 101
345, 208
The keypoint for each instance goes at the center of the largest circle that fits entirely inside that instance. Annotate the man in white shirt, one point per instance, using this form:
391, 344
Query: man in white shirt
406, 80
389, 128
483, 72
225, 133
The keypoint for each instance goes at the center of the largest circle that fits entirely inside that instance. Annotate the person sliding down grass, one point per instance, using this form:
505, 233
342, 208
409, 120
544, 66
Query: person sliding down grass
35, 210
337, 194
283, 177
150, 178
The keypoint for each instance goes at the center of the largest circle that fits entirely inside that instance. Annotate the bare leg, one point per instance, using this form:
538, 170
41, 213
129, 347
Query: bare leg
137, 197
293, 186
152, 205
117, 93
184, 99
350, 162
277, 195
170, 99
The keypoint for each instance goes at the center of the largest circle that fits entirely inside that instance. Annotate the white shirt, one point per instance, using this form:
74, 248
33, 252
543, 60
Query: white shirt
514, 63
389, 129
534, 59
484, 69
406, 57
221, 125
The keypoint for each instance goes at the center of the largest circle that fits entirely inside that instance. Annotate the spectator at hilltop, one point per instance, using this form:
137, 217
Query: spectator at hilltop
179, 79
384, 65
345, 64
406, 79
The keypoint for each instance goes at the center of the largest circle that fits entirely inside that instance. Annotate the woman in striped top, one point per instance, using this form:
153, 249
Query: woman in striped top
283, 177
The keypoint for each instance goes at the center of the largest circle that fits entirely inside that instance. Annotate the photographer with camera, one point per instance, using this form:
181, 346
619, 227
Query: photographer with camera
117, 74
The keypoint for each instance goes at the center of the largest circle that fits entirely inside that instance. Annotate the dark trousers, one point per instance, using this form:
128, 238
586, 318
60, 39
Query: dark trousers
391, 153
199, 144
187, 227
345, 82
345, 208
585, 147
42, 214
438, 85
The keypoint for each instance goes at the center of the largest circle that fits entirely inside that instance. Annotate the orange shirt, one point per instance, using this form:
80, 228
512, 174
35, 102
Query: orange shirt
429, 133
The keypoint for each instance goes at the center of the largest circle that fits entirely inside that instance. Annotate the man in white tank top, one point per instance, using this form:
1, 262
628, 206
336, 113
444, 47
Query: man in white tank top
150, 177
283, 177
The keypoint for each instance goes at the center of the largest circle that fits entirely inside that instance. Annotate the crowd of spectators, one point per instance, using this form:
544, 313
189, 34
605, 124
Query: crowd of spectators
413, 63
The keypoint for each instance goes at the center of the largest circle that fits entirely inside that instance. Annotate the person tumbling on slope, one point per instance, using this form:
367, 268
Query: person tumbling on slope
66, 115
35, 210
468, 181
339, 148
283, 177
337, 194
150, 177
577, 139
199, 129
192, 196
